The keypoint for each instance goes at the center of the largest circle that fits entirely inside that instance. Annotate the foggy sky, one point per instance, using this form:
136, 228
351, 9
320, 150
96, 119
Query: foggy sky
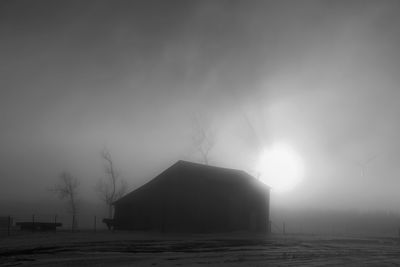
323, 76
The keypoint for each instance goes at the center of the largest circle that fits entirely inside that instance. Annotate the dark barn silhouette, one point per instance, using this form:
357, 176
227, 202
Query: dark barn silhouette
191, 197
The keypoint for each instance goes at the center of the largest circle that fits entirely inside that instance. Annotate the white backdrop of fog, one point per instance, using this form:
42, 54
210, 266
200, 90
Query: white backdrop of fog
322, 76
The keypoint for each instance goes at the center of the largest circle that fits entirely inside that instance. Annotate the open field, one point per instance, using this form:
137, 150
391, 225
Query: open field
142, 249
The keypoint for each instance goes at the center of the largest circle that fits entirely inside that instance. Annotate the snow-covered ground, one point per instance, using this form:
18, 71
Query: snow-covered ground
239, 249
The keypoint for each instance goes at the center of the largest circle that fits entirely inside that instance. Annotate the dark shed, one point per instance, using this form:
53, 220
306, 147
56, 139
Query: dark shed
191, 197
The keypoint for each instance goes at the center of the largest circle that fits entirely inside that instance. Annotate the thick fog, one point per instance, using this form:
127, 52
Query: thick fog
131, 76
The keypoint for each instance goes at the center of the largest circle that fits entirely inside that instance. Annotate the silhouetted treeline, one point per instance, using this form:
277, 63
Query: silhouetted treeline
337, 222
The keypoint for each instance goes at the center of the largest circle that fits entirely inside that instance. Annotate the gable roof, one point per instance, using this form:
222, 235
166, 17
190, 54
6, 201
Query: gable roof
185, 175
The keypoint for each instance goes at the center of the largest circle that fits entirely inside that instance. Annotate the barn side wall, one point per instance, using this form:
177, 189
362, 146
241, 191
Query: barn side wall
198, 206
197, 213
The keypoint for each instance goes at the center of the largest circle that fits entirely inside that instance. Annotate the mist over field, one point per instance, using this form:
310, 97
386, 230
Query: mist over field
133, 77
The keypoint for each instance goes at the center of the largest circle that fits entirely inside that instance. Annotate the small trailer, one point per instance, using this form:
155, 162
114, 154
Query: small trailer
38, 226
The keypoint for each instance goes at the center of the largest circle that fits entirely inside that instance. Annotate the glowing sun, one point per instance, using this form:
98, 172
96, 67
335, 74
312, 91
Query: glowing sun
280, 167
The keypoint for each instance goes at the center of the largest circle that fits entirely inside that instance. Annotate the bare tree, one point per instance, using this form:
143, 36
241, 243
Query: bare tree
203, 139
112, 187
67, 189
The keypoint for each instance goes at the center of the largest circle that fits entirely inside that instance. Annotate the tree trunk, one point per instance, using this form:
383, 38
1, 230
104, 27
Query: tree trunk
110, 211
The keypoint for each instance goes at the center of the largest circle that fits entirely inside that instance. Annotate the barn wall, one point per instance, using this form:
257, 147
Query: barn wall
248, 211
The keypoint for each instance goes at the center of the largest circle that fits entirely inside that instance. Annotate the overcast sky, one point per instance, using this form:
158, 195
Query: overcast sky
322, 76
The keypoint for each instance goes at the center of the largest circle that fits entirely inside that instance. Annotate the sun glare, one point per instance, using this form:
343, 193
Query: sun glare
280, 167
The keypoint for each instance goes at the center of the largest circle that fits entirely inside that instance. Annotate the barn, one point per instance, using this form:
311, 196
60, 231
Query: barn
196, 198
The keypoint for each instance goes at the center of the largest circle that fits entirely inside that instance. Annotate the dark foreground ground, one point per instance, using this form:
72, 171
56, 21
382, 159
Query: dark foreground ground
140, 249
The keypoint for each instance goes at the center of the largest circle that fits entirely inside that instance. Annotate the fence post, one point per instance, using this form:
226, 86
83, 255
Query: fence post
73, 222
55, 223
9, 226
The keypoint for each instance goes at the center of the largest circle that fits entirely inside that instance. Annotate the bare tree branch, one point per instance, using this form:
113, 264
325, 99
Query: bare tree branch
112, 187
67, 189
203, 139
